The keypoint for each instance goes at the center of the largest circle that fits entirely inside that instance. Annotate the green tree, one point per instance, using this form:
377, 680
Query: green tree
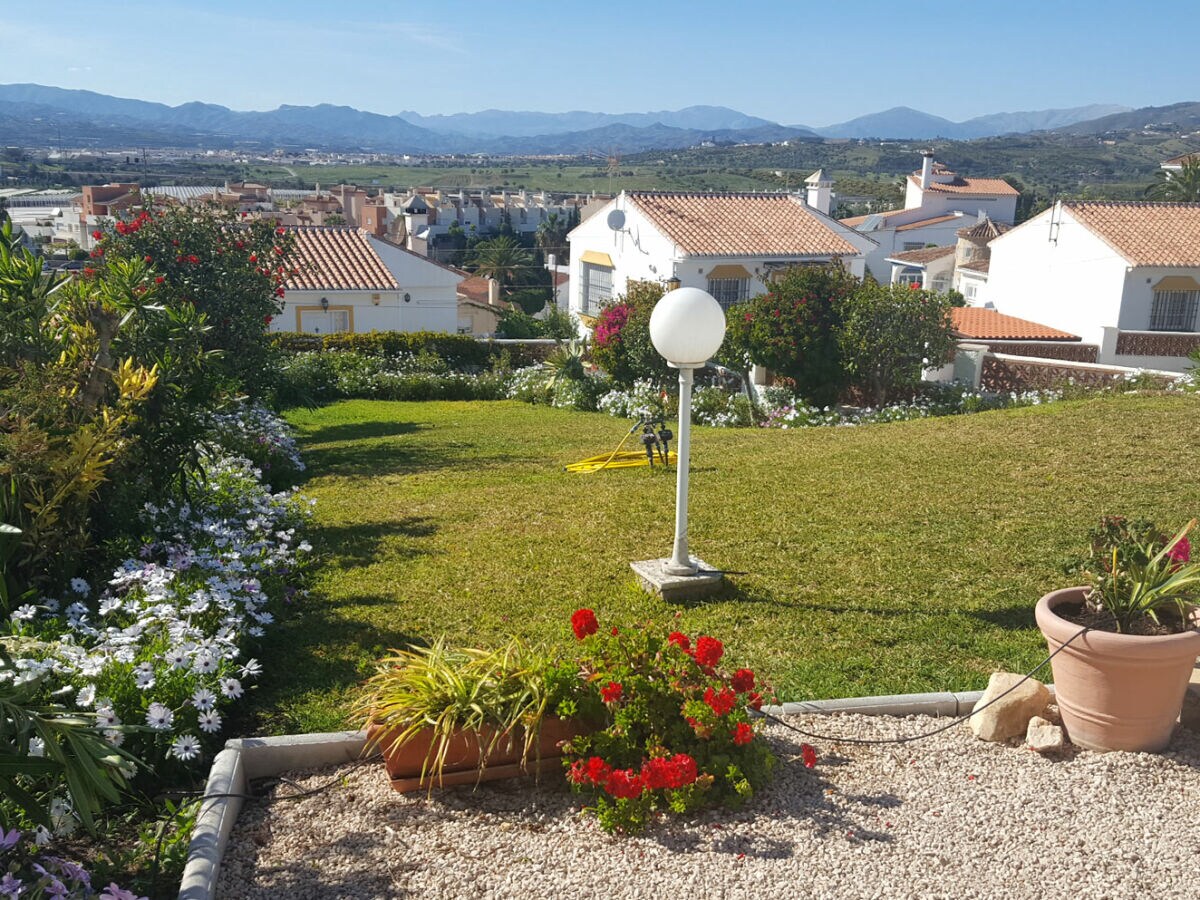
888, 334
551, 237
1178, 187
793, 330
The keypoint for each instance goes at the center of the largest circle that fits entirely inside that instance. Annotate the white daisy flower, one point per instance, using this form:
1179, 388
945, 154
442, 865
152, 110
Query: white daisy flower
24, 613
37, 747
41, 836
81, 587
304, 547
210, 721
204, 699
109, 604
114, 737
231, 687
87, 696
185, 747
177, 659
204, 664
159, 717
143, 676
252, 668
106, 717
50, 603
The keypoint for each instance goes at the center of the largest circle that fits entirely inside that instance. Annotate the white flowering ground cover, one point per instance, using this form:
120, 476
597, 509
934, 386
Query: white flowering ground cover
156, 650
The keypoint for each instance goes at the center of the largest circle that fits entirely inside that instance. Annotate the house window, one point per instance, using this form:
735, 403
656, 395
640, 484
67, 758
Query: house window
911, 276
1174, 311
914, 245
941, 283
597, 288
970, 289
728, 291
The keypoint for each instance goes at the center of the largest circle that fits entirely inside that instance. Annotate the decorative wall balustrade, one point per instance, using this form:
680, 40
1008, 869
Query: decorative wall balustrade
1005, 375
1157, 343
1067, 350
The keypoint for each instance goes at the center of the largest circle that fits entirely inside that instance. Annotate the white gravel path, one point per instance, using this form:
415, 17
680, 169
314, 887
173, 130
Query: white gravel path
947, 817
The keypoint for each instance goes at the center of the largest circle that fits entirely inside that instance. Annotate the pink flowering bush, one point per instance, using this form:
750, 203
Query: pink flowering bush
675, 732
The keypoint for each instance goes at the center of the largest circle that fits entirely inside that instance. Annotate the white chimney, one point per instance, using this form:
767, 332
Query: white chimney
926, 169
493, 292
818, 193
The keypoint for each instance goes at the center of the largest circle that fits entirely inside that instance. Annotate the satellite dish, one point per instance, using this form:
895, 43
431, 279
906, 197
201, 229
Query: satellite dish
616, 220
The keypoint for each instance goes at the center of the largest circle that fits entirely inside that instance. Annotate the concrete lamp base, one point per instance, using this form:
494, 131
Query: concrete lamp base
655, 579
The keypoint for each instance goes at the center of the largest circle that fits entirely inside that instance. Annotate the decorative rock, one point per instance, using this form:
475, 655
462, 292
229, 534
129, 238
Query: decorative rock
1045, 737
1009, 717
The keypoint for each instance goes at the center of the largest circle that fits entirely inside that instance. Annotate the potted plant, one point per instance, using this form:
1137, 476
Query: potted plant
675, 731
1120, 685
445, 716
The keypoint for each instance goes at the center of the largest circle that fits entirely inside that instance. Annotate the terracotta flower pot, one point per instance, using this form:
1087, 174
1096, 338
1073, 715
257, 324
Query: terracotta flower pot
1117, 691
465, 754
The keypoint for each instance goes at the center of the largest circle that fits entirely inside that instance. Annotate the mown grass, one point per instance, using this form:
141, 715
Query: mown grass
890, 558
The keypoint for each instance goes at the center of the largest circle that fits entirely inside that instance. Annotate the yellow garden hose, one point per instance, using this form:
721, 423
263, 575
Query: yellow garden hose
618, 459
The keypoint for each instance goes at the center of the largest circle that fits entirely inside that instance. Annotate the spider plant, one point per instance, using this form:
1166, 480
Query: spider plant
1137, 573
500, 696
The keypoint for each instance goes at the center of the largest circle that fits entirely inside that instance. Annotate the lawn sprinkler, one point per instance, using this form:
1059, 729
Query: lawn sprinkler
656, 440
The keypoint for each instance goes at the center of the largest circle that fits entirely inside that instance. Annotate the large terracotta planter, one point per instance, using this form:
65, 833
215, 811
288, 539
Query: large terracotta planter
465, 754
1117, 691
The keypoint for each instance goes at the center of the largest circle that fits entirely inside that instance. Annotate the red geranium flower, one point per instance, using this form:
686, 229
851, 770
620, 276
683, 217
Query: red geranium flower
809, 754
611, 693
755, 700
625, 784
147, 258
159, 279
720, 703
267, 320
742, 681
743, 734
598, 770
98, 234
680, 640
708, 650
193, 259
583, 623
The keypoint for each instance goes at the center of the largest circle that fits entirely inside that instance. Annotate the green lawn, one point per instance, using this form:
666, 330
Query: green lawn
888, 558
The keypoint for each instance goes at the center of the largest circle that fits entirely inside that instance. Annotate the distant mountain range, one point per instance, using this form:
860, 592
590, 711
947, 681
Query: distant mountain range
39, 115
904, 122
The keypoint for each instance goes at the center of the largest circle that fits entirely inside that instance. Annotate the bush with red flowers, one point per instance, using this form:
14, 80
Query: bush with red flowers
674, 732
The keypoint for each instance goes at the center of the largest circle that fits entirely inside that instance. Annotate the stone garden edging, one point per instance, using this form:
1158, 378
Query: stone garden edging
245, 759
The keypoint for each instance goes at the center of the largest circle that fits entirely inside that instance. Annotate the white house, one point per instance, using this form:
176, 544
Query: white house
1123, 275
349, 280
962, 267
937, 204
727, 244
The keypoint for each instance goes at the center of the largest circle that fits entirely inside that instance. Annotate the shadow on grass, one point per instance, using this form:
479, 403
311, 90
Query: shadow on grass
357, 431
1018, 617
732, 592
354, 546
317, 652
377, 458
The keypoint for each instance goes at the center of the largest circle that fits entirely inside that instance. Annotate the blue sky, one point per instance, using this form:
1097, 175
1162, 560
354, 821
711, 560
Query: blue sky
792, 62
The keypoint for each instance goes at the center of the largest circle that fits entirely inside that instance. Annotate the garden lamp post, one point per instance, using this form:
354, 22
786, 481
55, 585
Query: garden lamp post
686, 328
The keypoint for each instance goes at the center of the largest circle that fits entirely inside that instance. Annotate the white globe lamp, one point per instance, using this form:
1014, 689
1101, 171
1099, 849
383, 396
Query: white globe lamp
686, 327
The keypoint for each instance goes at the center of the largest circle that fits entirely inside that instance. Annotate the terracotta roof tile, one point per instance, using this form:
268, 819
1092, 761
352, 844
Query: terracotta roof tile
986, 229
331, 258
1182, 158
977, 265
706, 224
854, 221
974, 322
474, 288
961, 185
936, 220
1145, 234
923, 256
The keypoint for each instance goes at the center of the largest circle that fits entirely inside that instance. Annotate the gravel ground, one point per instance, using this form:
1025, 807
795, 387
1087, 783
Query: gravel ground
947, 817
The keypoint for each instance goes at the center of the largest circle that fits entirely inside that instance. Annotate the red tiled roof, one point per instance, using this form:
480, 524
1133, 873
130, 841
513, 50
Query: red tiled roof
985, 229
474, 288
977, 323
712, 224
977, 265
854, 221
922, 257
936, 220
986, 186
335, 258
1144, 233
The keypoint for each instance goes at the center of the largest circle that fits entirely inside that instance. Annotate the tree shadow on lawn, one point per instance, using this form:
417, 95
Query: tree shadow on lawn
358, 431
355, 546
382, 458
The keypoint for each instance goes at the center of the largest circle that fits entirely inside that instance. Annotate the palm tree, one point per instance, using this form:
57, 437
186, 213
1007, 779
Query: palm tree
501, 259
552, 237
1182, 186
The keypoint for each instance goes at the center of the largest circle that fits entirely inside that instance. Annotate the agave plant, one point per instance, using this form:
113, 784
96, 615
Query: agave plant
501, 696
565, 363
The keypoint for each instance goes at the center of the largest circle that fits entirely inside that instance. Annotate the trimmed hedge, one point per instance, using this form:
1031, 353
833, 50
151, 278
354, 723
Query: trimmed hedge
460, 351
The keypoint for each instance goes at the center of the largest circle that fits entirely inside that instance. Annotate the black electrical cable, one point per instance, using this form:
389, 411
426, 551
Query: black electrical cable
916, 737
